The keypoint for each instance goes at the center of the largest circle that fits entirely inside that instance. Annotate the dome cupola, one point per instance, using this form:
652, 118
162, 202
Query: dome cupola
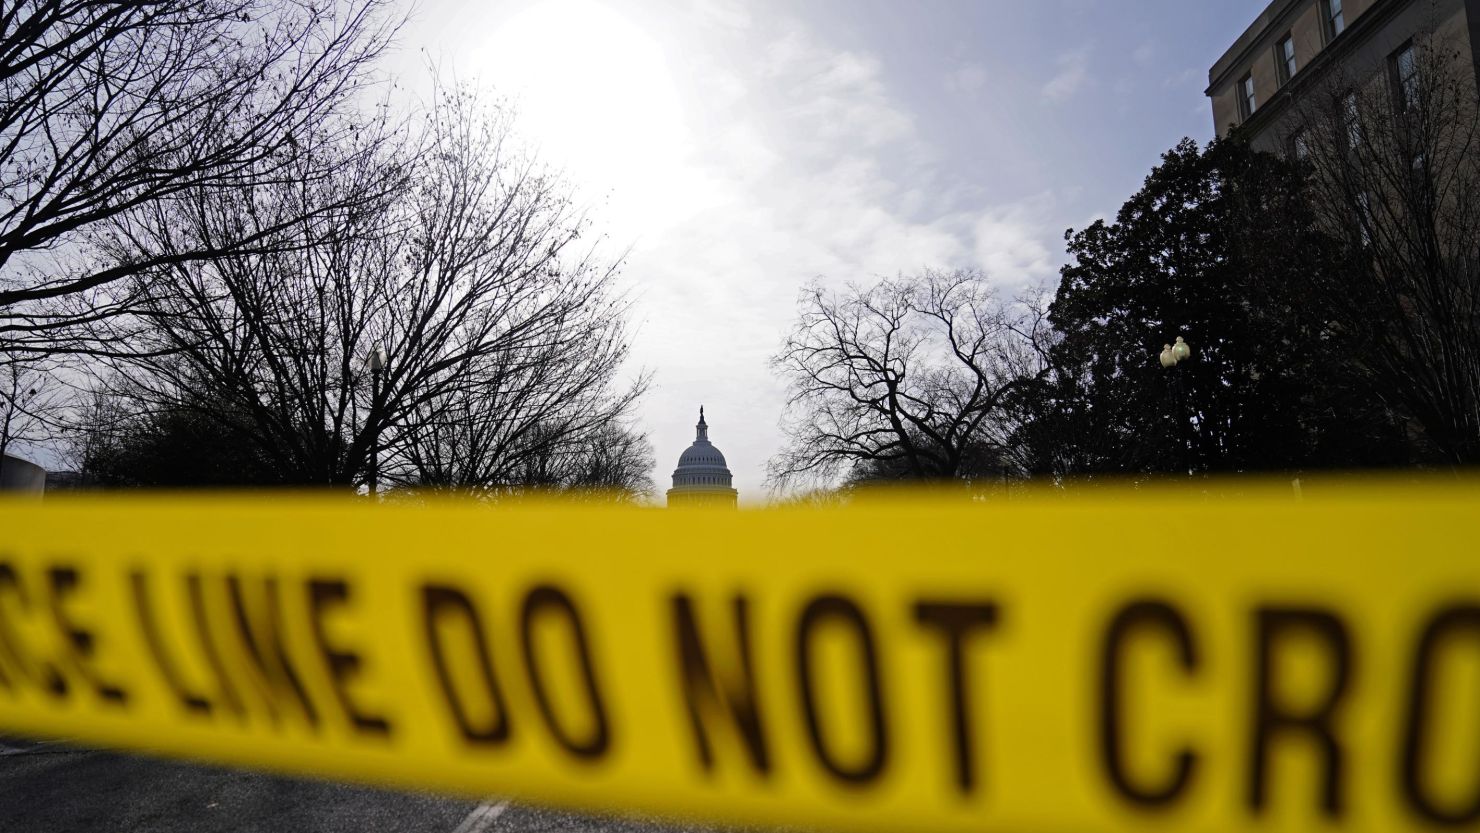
702, 476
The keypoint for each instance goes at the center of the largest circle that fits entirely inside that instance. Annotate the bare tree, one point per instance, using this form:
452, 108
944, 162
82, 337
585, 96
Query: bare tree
271, 341
547, 415
108, 107
32, 406
538, 329
470, 273
608, 462
909, 379
1395, 166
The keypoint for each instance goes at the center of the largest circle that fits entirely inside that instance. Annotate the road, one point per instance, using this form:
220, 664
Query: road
52, 788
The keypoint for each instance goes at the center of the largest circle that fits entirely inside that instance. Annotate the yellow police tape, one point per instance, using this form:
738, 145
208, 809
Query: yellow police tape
1121, 661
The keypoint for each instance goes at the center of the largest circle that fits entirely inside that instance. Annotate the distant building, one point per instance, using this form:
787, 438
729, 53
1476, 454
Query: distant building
17, 475
1294, 45
702, 477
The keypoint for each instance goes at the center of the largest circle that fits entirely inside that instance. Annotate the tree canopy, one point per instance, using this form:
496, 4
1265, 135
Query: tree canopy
1221, 247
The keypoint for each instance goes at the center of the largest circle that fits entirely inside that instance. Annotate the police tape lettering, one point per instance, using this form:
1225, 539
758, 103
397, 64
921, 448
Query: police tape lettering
907, 666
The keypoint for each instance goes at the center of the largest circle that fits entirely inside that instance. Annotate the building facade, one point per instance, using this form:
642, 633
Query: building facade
17, 475
1297, 45
702, 477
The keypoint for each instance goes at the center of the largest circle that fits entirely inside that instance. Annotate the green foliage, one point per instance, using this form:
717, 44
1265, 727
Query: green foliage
1220, 247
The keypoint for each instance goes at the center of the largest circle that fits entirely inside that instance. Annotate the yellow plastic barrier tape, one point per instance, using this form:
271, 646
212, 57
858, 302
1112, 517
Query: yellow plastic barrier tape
1122, 661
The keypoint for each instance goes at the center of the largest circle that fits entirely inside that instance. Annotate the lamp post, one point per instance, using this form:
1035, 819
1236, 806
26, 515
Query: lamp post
1173, 355
377, 362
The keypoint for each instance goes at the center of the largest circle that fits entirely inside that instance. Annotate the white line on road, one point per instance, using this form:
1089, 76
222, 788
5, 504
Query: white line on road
482, 817
25, 747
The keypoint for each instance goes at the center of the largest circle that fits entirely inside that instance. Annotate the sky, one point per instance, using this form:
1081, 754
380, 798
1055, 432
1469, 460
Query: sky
737, 151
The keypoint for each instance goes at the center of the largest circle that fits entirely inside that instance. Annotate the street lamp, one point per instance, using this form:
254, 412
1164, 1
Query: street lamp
1181, 350
1171, 356
1173, 353
377, 362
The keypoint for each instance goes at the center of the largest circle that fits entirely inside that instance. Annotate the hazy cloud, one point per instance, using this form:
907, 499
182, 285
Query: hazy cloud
839, 94
1011, 245
967, 78
729, 13
1073, 73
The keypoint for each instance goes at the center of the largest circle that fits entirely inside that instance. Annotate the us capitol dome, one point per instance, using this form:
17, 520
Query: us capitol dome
702, 478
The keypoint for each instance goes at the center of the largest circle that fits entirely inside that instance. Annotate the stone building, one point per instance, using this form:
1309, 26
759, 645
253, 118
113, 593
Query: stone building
702, 477
1296, 45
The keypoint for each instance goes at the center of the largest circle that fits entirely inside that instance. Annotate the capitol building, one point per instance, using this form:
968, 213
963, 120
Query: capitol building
702, 478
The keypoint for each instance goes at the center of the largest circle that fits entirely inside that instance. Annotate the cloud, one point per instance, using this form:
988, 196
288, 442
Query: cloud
967, 78
1010, 245
729, 13
835, 95
797, 167
811, 170
1072, 75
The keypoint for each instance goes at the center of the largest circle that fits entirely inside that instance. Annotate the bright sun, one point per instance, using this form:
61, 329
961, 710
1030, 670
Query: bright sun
595, 92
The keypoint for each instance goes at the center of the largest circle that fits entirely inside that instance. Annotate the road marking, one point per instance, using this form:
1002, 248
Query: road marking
26, 747
482, 817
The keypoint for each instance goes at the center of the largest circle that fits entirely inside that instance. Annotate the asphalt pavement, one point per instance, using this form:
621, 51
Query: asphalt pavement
54, 788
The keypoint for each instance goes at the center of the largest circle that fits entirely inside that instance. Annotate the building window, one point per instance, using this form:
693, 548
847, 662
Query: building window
1284, 53
1404, 67
1300, 145
1247, 102
1335, 19
1351, 115
1364, 219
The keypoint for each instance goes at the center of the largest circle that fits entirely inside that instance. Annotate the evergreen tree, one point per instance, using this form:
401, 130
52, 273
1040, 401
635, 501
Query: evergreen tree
1219, 247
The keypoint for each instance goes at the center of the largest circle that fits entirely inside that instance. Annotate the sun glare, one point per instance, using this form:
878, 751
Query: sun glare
595, 93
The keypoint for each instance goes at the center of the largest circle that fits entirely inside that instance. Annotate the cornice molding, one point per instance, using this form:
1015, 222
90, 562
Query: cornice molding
1359, 29
1311, 74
